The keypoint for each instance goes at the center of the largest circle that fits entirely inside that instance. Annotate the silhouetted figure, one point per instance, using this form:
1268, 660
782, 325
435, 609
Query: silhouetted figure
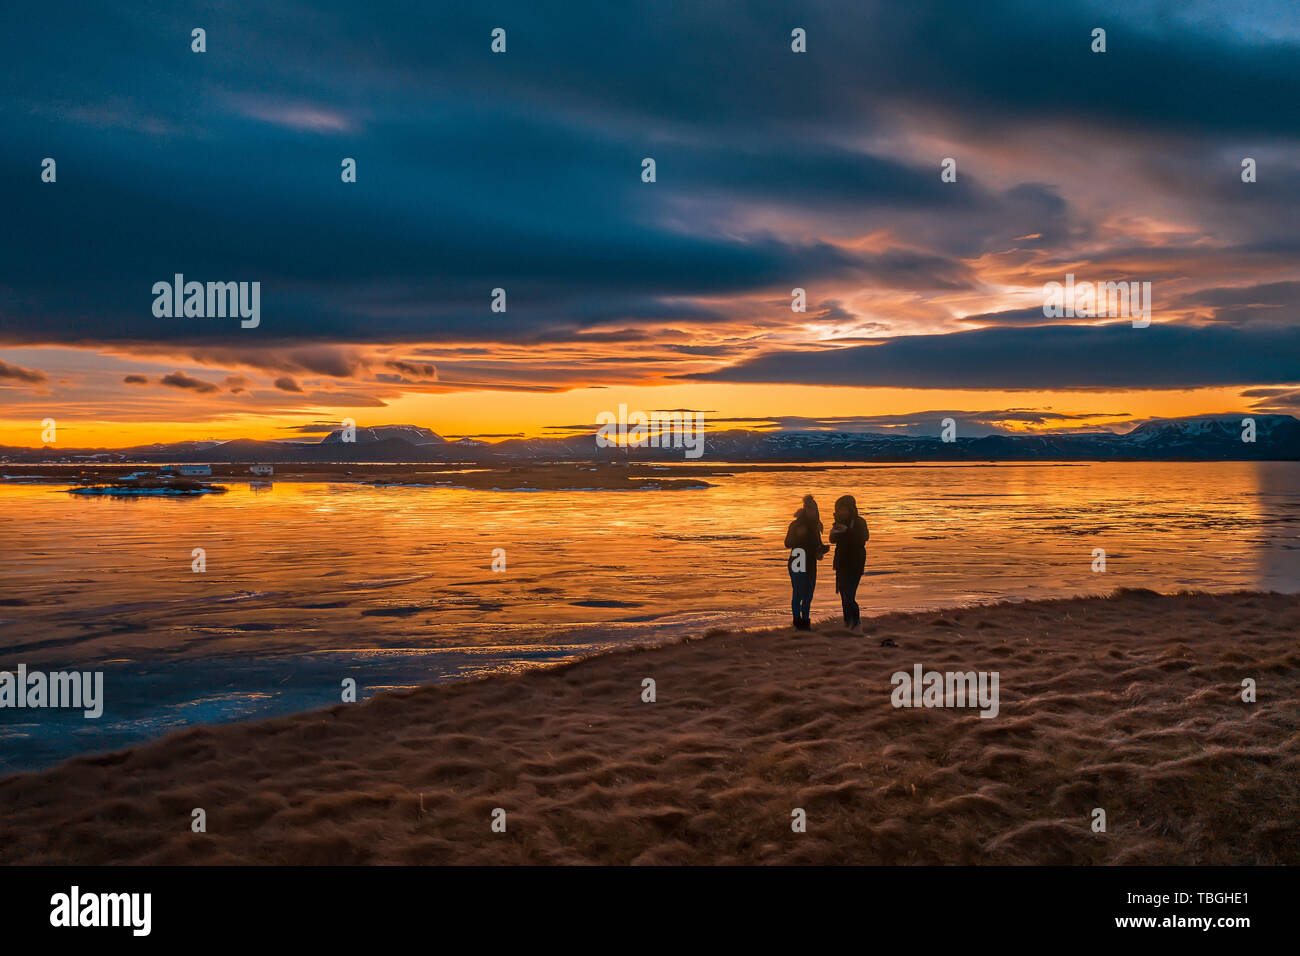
804, 539
849, 534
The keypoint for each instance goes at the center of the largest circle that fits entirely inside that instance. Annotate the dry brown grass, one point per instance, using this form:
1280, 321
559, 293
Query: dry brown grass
1130, 703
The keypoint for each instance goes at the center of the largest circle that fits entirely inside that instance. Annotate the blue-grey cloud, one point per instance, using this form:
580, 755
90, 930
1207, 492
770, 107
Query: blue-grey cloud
1046, 357
521, 171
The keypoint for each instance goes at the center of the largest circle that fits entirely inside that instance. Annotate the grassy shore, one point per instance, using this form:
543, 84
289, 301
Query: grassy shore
1130, 703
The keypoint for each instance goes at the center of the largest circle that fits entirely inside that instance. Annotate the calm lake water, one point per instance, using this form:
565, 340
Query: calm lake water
309, 583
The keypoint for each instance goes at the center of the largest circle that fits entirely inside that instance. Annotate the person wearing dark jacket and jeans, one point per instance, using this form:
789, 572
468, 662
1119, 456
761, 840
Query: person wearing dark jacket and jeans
804, 539
849, 534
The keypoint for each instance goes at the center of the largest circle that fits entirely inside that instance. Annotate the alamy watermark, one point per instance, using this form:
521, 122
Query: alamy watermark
1119, 300
658, 429
211, 300
75, 908
950, 689
60, 689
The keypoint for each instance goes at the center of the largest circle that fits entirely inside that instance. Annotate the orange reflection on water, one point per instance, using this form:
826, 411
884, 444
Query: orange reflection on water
302, 567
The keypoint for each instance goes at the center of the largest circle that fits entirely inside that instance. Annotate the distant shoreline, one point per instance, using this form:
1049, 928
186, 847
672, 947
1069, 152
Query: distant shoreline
586, 476
532, 476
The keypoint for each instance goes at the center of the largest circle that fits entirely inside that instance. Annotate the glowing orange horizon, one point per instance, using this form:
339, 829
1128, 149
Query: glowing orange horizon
493, 415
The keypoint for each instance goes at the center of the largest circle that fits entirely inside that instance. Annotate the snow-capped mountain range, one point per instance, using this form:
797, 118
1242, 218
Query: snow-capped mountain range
1205, 437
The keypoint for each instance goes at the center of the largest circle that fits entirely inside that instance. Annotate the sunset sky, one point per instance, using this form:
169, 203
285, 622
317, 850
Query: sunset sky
522, 170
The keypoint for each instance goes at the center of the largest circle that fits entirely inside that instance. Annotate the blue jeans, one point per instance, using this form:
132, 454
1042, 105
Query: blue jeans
802, 584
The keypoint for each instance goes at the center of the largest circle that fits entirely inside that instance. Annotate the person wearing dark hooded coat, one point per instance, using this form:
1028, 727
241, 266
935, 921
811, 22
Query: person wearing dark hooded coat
849, 534
804, 539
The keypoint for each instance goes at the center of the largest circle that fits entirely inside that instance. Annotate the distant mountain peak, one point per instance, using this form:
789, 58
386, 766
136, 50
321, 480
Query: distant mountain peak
1207, 427
412, 434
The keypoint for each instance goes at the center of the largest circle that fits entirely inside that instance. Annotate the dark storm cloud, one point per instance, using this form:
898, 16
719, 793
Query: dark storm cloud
16, 373
1031, 316
522, 171
332, 271
1265, 294
1267, 302
1283, 400
922, 423
312, 428
486, 436
179, 379
1108, 356
929, 419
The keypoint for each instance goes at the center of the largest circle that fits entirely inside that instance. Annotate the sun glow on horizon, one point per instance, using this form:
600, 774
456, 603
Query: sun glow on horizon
495, 415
